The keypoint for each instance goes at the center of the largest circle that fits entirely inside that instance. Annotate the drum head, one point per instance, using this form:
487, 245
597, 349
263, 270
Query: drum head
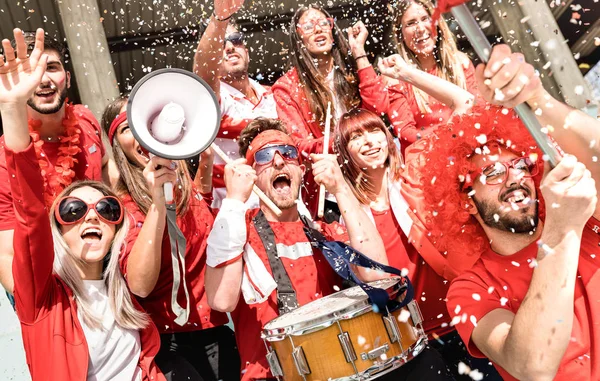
330, 308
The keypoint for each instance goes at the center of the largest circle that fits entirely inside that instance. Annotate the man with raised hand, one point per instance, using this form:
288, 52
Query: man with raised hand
531, 303
67, 137
222, 60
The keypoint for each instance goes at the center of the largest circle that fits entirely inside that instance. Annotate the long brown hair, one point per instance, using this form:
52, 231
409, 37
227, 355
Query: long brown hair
360, 182
447, 58
65, 266
131, 177
315, 88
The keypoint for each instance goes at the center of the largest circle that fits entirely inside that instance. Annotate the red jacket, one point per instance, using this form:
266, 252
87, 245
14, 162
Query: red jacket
294, 110
55, 345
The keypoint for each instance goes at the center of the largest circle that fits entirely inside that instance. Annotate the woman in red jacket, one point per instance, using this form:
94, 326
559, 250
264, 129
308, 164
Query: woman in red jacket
433, 52
78, 320
196, 343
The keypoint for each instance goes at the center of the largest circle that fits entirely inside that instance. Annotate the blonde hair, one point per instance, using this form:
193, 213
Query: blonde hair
66, 267
448, 61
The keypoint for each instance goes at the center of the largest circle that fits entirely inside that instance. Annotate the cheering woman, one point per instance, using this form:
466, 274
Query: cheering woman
78, 319
196, 345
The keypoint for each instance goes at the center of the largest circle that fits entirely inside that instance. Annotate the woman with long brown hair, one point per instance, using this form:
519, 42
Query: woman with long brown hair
196, 345
372, 165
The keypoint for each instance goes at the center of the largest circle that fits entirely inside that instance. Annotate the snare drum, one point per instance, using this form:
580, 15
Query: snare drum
341, 337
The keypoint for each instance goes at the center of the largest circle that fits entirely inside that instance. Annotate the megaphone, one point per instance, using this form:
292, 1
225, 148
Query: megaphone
173, 114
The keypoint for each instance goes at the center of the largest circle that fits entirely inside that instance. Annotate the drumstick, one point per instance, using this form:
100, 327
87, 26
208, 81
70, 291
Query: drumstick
321, 211
255, 189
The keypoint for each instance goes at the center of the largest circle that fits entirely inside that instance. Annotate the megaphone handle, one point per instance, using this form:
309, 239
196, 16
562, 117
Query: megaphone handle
168, 190
263, 197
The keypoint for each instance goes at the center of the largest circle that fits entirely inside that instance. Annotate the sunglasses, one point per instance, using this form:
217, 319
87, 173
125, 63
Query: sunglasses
309, 26
266, 155
236, 39
497, 173
71, 210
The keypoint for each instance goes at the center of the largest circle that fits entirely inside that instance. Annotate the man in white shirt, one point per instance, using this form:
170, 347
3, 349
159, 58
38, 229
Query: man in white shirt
222, 59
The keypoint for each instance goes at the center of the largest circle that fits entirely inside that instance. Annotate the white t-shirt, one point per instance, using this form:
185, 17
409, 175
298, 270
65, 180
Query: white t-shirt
114, 351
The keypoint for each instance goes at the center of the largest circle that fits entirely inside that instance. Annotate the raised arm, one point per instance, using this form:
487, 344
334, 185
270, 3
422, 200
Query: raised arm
446, 92
363, 233
144, 258
209, 53
507, 80
224, 252
32, 240
520, 342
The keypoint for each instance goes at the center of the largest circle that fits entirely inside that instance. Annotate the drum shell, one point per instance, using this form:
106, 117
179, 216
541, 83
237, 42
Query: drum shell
323, 350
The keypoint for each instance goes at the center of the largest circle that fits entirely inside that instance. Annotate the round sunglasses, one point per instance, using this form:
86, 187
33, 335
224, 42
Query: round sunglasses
266, 155
496, 174
72, 210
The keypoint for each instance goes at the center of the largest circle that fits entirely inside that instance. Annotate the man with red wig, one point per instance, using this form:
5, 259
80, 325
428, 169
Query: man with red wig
531, 302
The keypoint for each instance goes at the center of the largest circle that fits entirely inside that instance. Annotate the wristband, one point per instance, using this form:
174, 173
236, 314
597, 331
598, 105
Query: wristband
218, 19
363, 56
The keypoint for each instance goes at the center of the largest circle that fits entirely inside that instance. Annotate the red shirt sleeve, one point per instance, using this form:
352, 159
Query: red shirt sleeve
469, 300
287, 94
7, 212
335, 232
88, 117
136, 221
34, 253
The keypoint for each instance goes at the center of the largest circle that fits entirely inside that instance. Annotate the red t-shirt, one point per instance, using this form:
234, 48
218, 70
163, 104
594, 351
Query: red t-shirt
311, 277
87, 167
430, 288
195, 226
503, 281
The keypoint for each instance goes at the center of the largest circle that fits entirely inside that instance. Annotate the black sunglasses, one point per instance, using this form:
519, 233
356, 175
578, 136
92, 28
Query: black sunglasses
71, 210
236, 38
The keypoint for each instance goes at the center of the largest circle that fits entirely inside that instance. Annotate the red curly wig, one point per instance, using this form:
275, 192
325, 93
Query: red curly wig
454, 230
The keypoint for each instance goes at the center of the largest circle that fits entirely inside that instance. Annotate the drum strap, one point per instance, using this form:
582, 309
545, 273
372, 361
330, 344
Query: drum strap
286, 296
340, 256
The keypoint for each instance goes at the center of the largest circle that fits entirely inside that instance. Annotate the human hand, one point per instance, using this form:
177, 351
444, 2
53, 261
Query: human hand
239, 180
507, 80
226, 8
158, 172
569, 193
20, 75
327, 172
394, 66
357, 37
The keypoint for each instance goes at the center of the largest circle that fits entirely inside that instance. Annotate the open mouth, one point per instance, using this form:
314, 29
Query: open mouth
372, 152
423, 39
517, 198
282, 183
143, 153
45, 93
91, 235
321, 40
233, 58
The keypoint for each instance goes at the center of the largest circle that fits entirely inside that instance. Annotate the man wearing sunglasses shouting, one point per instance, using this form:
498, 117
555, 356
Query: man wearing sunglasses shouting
240, 254
222, 60
531, 302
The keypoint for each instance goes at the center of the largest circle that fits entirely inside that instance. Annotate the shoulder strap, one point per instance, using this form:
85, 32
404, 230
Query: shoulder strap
286, 296
340, 256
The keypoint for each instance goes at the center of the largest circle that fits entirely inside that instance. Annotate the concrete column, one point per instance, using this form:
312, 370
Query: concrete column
90, 57
529, 27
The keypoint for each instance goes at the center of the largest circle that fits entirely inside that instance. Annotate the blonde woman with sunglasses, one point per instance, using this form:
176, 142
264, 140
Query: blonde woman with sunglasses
78, 319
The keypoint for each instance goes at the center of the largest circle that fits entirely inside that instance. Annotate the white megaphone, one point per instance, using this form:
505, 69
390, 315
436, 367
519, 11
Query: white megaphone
173, 114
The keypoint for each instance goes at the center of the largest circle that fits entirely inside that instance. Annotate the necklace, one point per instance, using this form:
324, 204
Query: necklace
61, 175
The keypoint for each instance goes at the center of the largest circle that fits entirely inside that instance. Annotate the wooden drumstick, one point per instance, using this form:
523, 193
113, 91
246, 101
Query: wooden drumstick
321, 210
263, 197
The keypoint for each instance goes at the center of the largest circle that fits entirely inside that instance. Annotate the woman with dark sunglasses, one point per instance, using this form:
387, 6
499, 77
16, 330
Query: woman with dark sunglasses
78, 318
196, 345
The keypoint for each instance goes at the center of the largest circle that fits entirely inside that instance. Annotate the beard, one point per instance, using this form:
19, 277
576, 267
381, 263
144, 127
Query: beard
524, 222
49, 108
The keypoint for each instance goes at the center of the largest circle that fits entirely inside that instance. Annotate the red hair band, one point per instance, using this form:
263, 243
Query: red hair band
115, 123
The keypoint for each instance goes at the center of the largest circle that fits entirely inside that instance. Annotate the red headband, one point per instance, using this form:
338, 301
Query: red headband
269, 137
115, 123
